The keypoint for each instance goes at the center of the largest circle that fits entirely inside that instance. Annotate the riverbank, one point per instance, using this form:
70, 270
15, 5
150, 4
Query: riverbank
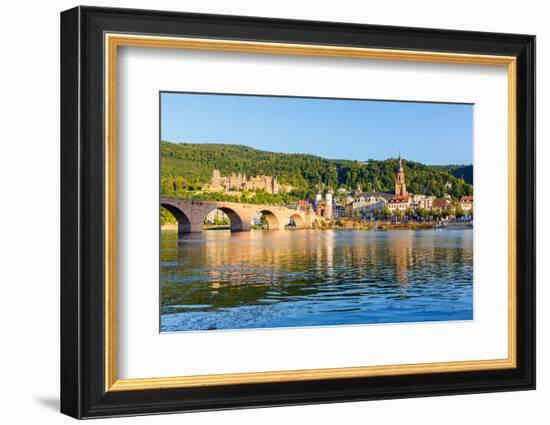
356, 226
408, 225
170, 226
174, 227
379, 225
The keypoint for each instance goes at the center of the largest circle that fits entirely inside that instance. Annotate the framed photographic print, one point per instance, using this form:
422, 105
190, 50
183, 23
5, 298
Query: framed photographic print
261, 212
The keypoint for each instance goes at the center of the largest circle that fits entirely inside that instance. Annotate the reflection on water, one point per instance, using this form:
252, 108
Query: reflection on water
262, 279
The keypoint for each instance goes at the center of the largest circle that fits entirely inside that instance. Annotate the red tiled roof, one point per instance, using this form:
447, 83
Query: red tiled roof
399, 199
440, 203
467, 199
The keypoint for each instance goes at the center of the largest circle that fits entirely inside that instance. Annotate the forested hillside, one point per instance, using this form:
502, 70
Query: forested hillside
186, 167
465, 172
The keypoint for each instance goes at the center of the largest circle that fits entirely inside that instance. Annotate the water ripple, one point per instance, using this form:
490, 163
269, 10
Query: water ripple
218, 280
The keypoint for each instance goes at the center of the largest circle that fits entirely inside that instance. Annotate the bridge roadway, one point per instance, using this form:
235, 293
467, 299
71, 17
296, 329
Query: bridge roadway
191, 214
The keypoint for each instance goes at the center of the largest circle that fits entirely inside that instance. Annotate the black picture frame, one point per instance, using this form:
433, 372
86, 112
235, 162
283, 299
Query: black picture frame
83, 392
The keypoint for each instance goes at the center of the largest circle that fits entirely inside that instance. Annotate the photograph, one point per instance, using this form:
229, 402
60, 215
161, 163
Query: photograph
281, 212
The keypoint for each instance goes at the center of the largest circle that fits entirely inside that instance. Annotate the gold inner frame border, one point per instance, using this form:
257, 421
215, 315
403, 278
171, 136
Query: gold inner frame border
113, 40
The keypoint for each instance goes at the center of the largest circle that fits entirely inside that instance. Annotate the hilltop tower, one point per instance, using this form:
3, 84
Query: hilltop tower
400, 187
217, 182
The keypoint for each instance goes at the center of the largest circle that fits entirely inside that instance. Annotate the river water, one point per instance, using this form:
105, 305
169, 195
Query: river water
263, 279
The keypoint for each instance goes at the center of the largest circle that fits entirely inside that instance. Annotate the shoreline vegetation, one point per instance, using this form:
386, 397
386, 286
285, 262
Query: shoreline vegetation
352, 225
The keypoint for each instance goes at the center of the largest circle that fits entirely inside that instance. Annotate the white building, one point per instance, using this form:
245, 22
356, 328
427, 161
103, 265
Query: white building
364, 207
400, 203
422, 201
467, 203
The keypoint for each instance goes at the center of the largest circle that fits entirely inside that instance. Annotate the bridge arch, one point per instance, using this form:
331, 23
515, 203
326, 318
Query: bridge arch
184, 224
298, 220
272, 220
235, 220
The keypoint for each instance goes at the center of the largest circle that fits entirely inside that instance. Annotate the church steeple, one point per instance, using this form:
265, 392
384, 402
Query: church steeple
400, 186
400, 162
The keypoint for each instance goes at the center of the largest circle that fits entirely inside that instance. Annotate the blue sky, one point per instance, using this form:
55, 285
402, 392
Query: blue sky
431, 133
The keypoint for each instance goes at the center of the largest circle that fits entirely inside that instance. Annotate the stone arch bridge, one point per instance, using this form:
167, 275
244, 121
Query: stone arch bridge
191, 214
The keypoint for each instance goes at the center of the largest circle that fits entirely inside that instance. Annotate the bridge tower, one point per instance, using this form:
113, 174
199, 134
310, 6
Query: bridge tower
328, 198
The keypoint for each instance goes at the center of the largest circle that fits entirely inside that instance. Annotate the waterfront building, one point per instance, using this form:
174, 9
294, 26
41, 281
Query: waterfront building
338, 211
348, 199
400, 203
440, 203
423, 201
368, 211
377, 195
467, 203
353, 207
364, 206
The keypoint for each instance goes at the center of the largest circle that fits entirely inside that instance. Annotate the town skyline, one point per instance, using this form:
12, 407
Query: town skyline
208, 205
347, 129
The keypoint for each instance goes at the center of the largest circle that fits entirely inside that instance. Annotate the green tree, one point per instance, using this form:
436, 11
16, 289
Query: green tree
166, 217
450, 211
422, 212
399, 214
187, 167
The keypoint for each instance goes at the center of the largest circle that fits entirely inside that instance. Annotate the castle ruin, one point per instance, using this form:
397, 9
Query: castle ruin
239, 181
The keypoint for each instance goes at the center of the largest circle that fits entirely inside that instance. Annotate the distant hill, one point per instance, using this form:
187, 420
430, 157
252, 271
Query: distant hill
465, 172
191, 165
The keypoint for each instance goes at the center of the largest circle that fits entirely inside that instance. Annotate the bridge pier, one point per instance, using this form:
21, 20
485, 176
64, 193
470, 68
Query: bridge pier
244, 227
183, 227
